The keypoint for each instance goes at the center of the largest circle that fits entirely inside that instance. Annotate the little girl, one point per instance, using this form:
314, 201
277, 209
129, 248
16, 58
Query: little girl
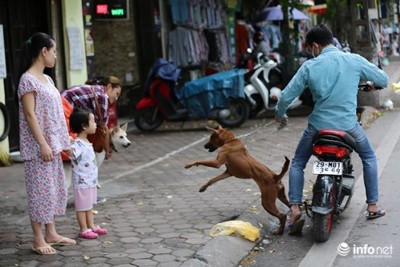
84, 173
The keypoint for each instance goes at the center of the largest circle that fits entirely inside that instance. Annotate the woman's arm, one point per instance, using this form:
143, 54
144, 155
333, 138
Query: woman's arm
28, 104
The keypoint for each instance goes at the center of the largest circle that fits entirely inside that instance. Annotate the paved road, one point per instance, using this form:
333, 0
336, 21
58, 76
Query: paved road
154, 212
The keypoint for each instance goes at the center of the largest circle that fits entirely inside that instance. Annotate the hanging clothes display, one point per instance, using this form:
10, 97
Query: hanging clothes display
200, 35
187, 47
218, 46
198, 13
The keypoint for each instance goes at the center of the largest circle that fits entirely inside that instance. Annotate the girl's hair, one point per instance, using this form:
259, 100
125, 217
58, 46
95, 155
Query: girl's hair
114, 81
319, 34
30, 51
79, 119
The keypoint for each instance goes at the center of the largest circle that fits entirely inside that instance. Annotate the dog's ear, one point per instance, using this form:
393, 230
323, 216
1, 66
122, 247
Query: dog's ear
211, 129
124, 126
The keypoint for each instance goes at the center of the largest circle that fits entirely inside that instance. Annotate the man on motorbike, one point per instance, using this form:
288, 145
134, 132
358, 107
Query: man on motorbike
260, 46
332, 77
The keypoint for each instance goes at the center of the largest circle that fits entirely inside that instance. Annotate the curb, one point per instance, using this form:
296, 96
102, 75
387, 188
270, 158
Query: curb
228, 251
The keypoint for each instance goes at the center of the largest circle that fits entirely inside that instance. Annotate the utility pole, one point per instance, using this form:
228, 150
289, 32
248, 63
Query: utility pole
360, 41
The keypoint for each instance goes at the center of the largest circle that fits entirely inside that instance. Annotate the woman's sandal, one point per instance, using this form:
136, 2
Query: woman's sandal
375, 214
46, 250
64, 241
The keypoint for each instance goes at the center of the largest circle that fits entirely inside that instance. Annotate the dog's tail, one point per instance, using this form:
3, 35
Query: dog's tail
284, 170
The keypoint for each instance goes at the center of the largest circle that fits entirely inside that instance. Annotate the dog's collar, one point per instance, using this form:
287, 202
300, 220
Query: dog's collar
232, 139
113, 147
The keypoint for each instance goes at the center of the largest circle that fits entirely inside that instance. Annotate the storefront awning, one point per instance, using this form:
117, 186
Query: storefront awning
317, 9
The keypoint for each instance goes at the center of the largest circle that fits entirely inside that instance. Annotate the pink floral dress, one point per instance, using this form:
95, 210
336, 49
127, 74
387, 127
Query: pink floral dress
45, 181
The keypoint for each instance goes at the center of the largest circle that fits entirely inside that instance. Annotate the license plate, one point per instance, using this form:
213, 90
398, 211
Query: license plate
327, 167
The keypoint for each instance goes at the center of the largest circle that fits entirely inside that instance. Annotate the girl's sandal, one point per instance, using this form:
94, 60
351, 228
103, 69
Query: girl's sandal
88, 234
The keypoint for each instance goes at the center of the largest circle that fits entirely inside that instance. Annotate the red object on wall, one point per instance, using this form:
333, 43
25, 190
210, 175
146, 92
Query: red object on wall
112, 116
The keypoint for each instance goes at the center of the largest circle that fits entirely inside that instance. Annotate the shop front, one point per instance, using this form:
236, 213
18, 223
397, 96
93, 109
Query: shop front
19, 19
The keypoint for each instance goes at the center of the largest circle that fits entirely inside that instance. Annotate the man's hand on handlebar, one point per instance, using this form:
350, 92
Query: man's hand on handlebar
368, 86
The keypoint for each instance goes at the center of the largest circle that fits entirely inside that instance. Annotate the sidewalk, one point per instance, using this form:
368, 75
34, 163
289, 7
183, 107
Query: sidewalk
154, 212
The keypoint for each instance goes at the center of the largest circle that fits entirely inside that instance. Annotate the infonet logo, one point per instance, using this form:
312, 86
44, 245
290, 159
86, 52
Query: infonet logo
343, 249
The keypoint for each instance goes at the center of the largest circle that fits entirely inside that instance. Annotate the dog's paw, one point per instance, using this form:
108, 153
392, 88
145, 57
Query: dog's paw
202, 189
278, 231
190, 165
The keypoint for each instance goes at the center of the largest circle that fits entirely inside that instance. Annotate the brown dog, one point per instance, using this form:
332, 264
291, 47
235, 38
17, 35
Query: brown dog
240, 164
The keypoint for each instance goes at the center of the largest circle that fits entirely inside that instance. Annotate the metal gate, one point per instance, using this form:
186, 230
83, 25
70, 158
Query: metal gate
20, 19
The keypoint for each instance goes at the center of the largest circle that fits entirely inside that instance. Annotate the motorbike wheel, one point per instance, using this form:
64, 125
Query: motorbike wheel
322, 223
148, 119
239, 113
258, 107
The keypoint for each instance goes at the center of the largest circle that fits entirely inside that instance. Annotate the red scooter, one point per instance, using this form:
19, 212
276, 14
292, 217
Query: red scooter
335, 181
217, 97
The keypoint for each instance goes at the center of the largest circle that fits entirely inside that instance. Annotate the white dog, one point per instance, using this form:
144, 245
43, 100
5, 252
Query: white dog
119, 139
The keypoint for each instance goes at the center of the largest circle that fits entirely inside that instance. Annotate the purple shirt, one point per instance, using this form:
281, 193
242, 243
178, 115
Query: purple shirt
81, 96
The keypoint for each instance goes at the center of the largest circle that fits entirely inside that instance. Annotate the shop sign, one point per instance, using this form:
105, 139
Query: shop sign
110, 9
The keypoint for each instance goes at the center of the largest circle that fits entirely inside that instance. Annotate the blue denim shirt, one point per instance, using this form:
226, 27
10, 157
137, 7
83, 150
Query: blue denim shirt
333, 79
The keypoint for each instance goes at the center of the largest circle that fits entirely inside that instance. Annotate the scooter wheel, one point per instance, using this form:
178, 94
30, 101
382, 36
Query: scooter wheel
148, 119
239, 113
322, 223
322, 226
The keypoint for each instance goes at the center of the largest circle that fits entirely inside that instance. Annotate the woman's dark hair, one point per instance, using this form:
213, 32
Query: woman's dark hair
30, 51
114, 81
319, 34
79, 119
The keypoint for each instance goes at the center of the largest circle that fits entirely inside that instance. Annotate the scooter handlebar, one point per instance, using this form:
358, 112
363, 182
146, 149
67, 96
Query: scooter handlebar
368, 86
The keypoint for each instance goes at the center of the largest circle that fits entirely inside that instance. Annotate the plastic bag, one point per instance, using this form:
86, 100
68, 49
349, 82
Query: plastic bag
245, 229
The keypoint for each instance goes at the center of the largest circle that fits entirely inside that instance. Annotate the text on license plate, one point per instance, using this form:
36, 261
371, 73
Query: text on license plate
327, 167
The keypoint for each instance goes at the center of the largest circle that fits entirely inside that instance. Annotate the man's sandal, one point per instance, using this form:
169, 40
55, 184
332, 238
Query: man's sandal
296, 227
373, 215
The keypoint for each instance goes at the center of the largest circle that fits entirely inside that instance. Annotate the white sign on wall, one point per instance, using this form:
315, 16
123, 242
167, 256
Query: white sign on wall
76, 52
3, 70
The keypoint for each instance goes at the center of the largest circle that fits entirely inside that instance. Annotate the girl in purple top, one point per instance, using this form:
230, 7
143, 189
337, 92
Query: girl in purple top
43, 135
107, 91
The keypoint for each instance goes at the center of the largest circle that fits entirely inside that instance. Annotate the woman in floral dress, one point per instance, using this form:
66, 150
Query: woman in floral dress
43, 135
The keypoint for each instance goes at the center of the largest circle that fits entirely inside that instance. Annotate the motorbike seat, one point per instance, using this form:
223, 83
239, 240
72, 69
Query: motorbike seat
162, 93
335, 137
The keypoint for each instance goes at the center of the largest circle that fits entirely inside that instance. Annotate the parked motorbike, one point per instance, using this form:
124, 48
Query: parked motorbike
217, 97
265, 85
334, 185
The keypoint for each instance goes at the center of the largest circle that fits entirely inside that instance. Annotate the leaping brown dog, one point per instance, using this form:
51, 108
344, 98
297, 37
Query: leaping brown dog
239, 163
